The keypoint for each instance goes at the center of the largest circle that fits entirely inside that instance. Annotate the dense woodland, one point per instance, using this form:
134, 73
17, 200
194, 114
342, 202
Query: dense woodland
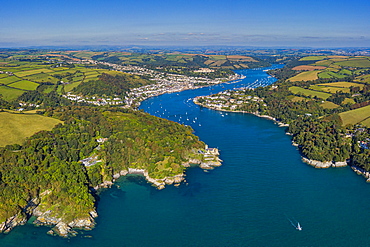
49, 161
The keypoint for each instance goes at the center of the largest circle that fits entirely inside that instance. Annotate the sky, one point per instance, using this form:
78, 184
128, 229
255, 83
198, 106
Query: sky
260, 23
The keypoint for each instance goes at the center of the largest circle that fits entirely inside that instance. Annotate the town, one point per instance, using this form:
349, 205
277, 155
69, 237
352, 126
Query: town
162, 83
240, 100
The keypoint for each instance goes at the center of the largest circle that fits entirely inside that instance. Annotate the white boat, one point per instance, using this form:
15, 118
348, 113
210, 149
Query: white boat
299, 228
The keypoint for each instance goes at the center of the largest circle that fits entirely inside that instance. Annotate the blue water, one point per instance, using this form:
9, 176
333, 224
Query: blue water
248, 201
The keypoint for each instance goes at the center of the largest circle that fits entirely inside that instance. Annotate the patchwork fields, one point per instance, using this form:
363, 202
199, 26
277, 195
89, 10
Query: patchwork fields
353, 69
171, 59
19, 77
330, 67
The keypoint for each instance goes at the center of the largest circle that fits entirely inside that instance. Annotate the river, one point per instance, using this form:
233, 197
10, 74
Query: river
248, 201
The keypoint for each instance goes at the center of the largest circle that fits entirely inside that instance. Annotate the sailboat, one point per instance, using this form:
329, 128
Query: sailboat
299, 228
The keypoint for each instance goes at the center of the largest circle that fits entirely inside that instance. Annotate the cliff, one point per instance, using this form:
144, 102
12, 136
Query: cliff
324, 164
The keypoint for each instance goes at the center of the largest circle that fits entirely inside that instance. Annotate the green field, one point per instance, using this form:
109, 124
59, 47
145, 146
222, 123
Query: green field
10, 94
348, 101
69, 87
42, 77
355, 116
343, 84
25, 85
335, 73
9, 80
355, 62
323, 63
366, 122
296, 98
364, 79
329, 89
16, 127
308, 92
306, 76
31, 72
329, 105
313, 58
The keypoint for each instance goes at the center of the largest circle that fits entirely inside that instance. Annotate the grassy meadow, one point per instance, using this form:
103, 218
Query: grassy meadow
306, 76
16, 127
342, 84
355, 116
308, 92
329, 105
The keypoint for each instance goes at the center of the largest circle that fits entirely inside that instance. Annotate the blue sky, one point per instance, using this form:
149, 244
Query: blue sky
300, 23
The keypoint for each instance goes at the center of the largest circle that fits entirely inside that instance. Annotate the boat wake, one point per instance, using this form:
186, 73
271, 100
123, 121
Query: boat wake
295, 223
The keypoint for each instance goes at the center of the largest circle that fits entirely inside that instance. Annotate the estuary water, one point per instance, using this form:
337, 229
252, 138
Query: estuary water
248, 201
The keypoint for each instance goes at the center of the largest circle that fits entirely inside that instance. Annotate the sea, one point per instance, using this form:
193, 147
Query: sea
256, 198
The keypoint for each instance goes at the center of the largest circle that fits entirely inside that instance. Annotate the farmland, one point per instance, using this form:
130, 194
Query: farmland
363, 79
353, 70
331, 67
19, 77
16, 127
308, 67
306, 76
308, 92
329, 105
355, 116
167, 60
342, 84
366, 122
9, 93
328, 89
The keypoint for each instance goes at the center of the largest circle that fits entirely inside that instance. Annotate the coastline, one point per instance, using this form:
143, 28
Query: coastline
66, 229
137, 104
314, 163
210, 161
281, 124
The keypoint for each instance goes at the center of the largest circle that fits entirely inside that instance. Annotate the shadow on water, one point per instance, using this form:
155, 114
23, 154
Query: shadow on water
137, 179
191, 190
116, 193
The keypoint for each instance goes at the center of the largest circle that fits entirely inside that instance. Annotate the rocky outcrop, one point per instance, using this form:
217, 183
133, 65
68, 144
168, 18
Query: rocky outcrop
339, 164
210, 165
161, 183
62, 228
20, 218
47, 218
209, 161
362, 172
325, 164
10, 223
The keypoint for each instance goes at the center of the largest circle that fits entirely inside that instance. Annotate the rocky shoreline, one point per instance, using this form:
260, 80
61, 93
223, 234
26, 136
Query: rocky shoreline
314, 163
212, 162
46, 218
281, 124
67, 229
362, 172
325, 164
